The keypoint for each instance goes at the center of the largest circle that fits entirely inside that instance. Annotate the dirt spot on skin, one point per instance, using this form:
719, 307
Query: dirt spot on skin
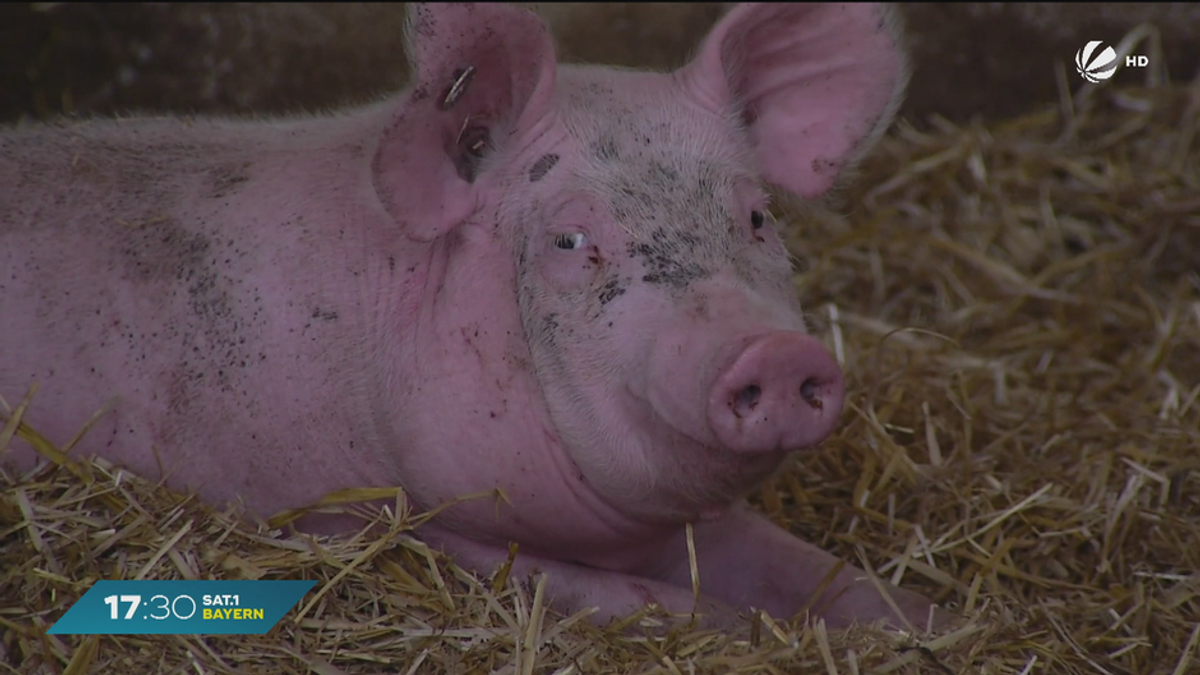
606, 150
542, 167
160, 249
324, 314
190, 270
598, 90
668, 258
661, 174
424, 24
550, 328
825, 167
226, 178
610, 291
212, 306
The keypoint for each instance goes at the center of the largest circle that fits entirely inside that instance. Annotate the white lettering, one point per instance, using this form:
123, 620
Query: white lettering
220, 600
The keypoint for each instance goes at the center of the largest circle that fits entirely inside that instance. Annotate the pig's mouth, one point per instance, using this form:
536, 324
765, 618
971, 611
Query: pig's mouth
682, 477
719, 476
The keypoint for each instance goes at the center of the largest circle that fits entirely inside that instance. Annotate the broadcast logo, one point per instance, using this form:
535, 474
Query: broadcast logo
1096, 65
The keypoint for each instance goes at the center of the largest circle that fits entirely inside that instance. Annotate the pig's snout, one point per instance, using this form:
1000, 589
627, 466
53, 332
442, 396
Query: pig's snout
782, 392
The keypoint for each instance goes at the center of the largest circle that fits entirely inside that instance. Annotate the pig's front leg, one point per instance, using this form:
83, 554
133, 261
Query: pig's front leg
747, 561
571, 587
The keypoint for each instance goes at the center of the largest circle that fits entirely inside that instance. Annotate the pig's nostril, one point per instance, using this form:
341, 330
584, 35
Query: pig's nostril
809, 391
746, 399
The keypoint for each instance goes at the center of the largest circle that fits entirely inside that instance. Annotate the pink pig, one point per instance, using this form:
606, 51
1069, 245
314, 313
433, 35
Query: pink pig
556, 281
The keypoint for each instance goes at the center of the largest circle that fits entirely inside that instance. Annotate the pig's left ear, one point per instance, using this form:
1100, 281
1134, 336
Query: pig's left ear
481, 75
817, 84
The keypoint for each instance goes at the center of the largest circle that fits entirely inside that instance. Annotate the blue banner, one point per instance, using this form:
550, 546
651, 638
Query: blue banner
181, 607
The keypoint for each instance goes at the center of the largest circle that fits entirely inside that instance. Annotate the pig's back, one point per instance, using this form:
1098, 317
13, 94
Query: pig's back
107, 247
144, 260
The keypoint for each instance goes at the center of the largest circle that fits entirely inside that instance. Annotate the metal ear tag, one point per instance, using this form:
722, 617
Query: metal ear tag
462, 79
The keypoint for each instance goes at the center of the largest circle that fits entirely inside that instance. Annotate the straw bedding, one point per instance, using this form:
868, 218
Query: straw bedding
1017, 308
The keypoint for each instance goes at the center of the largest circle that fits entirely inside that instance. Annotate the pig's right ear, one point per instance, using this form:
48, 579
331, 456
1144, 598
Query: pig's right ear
481, 74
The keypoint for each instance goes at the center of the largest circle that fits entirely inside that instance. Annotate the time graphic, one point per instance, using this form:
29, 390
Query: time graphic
181, 607
162, 607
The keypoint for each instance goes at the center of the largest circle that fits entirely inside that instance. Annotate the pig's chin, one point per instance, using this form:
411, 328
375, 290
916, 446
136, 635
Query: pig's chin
650, 471
702, 481
686, 480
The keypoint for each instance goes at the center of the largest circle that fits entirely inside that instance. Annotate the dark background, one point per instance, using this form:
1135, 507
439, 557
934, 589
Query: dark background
988, 59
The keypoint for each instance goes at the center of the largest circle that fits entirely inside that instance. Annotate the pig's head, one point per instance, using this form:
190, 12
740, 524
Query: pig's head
655, 295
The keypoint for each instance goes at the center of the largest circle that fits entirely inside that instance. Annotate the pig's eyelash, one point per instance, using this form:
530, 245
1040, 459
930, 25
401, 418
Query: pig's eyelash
570, 241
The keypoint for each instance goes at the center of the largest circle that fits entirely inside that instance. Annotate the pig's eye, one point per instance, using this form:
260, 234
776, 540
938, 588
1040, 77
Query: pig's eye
570, 241
757, 219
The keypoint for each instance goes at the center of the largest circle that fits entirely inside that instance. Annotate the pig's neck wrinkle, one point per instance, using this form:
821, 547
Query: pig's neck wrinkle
571, 521
620, 523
